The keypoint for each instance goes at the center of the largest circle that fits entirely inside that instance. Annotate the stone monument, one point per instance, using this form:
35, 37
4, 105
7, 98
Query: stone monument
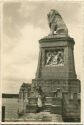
56, 69
56, 76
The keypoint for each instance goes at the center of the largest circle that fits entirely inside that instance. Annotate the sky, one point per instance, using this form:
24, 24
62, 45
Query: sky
24, 23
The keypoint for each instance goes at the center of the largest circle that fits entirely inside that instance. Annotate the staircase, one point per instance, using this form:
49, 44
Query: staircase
46, 108
47, 105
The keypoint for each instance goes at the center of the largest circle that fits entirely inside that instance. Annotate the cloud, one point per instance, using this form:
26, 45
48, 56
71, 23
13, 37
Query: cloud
20, 63
17, 14
24, 24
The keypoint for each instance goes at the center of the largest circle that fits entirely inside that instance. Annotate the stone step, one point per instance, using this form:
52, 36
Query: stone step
48, 100
46, 110
47, 107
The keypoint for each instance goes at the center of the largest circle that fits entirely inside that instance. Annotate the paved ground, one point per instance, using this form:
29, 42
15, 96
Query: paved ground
41, 117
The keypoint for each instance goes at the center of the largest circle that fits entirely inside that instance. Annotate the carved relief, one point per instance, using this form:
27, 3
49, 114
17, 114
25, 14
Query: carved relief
55, 57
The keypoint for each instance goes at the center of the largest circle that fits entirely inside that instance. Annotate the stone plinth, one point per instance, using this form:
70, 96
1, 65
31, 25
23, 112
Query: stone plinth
51, 70
56, 68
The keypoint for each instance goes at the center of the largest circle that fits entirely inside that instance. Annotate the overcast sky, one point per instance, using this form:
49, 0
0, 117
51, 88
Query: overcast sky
24, 23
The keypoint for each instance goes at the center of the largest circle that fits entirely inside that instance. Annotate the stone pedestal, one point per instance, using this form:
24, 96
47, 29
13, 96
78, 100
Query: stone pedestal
56, 71
60, 71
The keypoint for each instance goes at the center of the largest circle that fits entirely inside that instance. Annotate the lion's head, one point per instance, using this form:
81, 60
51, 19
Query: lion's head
52, 15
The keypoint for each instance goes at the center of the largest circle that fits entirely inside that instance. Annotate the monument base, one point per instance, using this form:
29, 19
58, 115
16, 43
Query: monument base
62, 96
50, 86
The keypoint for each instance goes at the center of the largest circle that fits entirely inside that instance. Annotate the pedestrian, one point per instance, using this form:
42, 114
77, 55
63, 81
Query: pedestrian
39, 103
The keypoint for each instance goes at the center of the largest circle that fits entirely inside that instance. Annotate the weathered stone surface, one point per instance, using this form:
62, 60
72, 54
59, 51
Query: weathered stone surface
70, 107
50, 85
65, 71
24, 93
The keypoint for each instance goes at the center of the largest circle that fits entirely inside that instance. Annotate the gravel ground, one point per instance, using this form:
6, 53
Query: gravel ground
41, 117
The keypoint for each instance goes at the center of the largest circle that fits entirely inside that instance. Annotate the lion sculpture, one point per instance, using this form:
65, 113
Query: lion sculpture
56, 23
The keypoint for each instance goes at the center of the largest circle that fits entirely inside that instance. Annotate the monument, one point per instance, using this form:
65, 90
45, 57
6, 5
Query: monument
56, 76
56, 67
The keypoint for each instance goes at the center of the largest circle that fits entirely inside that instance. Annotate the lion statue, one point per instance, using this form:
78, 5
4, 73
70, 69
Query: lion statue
56, 23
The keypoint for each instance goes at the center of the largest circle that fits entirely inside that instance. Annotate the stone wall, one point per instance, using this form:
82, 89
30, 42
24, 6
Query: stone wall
71, 107
48, 86
24, 93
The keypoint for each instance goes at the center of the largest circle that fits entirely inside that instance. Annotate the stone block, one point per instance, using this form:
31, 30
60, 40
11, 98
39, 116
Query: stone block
31, 108
56, 109
57, 101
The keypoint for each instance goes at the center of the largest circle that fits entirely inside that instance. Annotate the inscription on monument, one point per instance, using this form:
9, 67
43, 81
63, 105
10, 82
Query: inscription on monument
54, 57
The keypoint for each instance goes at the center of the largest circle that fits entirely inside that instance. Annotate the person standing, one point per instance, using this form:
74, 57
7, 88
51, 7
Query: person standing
39, 103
